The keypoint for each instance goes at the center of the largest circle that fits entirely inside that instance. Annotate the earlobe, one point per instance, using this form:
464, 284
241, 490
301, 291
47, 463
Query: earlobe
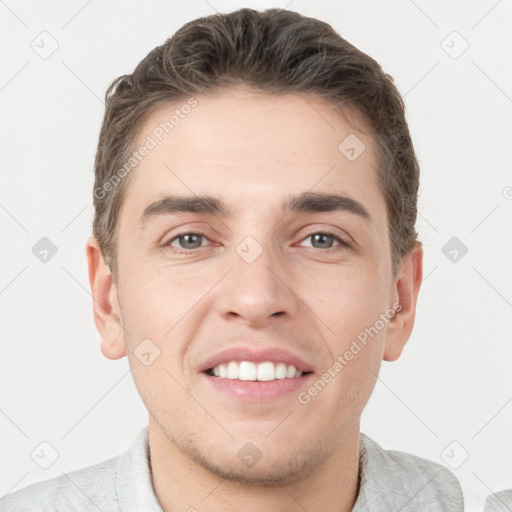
406, 288
107, 313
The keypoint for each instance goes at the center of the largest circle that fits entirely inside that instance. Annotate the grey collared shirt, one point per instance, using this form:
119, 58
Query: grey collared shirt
390, 481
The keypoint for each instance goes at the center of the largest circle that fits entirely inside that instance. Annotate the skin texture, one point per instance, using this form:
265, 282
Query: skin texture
252, 151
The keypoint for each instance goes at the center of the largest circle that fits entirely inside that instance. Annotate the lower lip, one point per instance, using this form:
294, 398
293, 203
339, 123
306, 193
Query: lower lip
258, 391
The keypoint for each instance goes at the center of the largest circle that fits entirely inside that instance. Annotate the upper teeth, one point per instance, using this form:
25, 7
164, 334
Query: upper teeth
247, 370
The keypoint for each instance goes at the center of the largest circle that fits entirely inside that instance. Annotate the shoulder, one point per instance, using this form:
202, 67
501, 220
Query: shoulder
90, 488
499, 501
408, 481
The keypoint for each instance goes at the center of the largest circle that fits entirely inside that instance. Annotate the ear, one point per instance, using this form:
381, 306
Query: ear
107, 313
406, 287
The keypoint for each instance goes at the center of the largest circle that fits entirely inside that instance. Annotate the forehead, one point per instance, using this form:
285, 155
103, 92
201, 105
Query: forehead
242, 146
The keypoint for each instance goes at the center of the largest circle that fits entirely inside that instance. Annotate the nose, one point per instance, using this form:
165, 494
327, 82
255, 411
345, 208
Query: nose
258, 293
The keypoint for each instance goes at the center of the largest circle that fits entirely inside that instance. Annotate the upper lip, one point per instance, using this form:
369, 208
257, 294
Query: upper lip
244, 353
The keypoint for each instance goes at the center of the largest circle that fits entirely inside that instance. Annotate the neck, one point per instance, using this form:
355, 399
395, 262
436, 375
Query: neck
182, 484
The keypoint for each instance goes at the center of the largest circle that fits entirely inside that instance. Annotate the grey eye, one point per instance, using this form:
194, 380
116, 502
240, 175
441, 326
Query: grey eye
188, 241
322, 240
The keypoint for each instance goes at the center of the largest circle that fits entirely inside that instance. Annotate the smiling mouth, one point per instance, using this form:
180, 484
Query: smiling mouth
249, 371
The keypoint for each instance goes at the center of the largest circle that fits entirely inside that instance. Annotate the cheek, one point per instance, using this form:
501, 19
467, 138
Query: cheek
347, 300
162, 309
156, 299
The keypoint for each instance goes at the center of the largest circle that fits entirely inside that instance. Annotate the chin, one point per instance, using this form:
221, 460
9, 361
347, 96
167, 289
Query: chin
273, 473
270, 467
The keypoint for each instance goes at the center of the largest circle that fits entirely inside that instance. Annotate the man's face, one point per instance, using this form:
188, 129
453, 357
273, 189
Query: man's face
254, 282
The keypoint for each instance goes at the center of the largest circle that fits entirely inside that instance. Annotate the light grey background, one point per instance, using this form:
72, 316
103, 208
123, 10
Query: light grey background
454, 380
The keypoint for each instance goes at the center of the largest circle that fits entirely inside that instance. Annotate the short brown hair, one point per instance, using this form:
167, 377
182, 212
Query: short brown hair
274, 51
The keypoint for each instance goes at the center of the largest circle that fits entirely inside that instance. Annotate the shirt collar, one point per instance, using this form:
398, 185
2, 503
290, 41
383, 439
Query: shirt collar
134, 485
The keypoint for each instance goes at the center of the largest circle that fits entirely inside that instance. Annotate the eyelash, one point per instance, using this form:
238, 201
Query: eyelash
343, 243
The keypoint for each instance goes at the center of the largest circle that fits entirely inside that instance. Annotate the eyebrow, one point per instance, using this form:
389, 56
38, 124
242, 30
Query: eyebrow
311, 202
306, 202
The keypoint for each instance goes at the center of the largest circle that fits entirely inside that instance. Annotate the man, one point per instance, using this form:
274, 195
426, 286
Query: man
255, 258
